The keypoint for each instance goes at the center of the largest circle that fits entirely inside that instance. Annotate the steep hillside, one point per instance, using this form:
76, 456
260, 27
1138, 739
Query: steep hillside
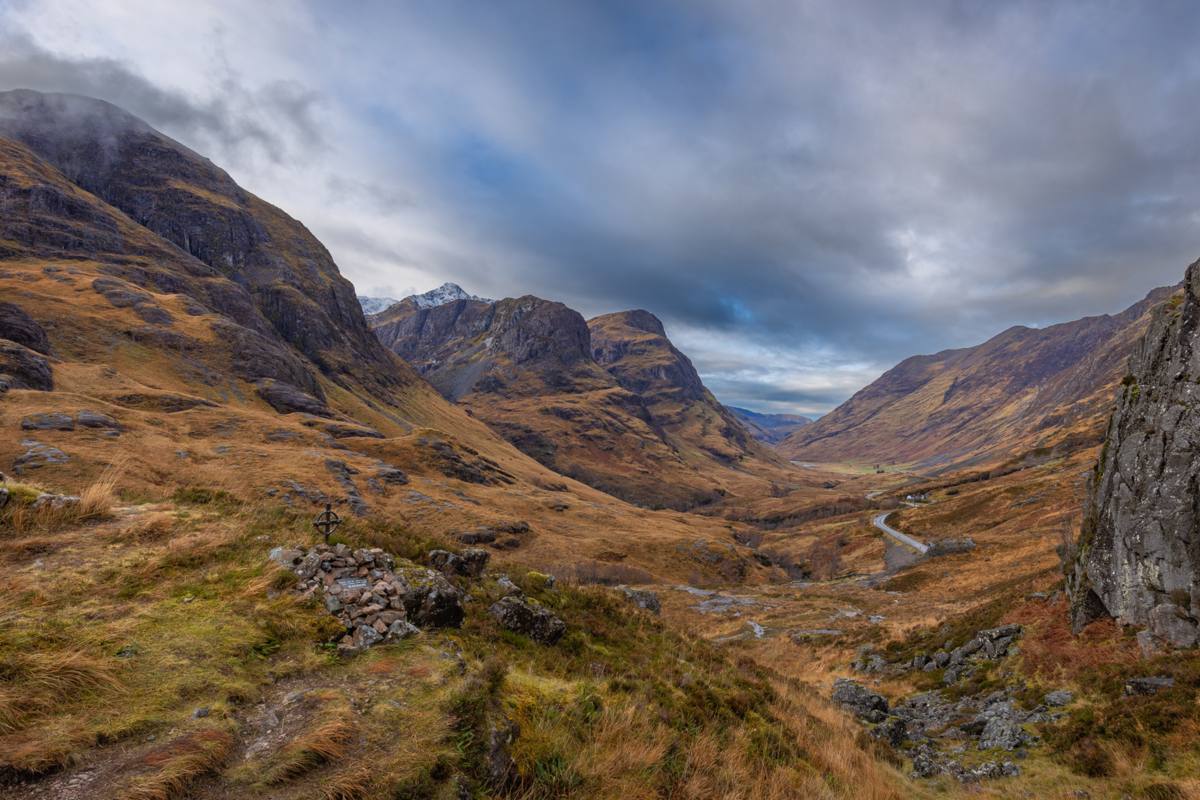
526, 367
769, 428
1022, 390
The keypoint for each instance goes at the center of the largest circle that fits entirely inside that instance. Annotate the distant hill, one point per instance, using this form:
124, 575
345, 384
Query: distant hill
1021, 390
769, 428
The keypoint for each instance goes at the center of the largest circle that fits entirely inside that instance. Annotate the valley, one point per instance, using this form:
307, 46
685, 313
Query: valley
564, 568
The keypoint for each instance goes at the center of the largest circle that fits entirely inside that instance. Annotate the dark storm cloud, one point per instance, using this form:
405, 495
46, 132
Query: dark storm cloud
236, 119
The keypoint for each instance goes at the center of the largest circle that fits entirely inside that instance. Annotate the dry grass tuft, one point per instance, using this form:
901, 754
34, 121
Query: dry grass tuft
36, 683
325, 743
349, 784
179, 764
95, 503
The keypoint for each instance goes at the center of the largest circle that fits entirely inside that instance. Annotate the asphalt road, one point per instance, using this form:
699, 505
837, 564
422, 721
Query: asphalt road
880, 522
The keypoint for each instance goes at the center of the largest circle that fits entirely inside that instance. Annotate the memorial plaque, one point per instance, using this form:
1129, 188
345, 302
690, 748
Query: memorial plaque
353, 583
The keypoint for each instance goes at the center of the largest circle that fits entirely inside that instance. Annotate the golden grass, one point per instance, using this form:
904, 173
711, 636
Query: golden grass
34, 683
179, 764
327, 741
95, 503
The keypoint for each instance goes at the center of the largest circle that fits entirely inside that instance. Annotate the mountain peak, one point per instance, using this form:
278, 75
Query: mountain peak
446, 293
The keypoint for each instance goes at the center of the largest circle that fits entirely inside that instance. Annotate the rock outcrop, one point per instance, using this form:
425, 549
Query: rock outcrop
1138, 558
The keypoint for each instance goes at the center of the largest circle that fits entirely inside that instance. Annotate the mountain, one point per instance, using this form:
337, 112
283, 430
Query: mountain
373, 305
446, 293
613, 405
1025, 389
1139, 552
769, 428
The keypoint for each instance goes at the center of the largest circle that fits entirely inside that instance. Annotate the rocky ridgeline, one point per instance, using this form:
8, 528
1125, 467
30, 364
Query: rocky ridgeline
934, 730
378, 599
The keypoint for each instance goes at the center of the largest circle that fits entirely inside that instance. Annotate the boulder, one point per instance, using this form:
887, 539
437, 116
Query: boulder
642, 598
51, 421
94, 419
1059, 698
1148, 686
1001, 732
429, 599
286, 399
526, 617
864, 703
36, 456
469, 563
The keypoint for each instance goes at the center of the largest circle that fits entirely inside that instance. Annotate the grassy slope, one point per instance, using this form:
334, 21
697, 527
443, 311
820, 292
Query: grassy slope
122, 627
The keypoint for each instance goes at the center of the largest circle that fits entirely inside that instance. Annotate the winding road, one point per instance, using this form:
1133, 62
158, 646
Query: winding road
880, 522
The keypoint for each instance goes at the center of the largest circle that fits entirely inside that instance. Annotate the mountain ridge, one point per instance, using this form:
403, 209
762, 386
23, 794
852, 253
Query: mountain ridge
1023, 388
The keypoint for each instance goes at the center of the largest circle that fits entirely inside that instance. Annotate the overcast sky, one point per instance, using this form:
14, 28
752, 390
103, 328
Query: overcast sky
805, 192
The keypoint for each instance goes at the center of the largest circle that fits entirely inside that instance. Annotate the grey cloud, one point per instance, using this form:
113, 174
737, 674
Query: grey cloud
266, 119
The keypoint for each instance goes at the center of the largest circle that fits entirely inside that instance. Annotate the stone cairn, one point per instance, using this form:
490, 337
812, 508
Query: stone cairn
374, 599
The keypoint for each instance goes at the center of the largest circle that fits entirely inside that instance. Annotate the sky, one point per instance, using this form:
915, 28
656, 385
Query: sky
804, 192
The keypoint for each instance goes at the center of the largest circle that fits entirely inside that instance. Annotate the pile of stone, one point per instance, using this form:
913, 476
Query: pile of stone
379, 600
960, 662
376, 600
932, 728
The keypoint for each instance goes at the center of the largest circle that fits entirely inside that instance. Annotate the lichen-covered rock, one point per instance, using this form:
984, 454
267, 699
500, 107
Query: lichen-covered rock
469, 563
524, 616
1139, 552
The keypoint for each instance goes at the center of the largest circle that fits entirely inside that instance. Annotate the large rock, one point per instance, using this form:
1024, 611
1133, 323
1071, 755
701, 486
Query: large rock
37, 455
469, 563
286, 399
50, 421
859, 699
19, 327
1139, 552
23, 368
526, 617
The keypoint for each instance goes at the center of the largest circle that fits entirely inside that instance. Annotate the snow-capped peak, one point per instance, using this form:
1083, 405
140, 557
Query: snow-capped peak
446, 293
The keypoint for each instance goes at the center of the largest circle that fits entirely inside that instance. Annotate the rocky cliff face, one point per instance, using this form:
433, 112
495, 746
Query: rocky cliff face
1139, 559
512, 347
